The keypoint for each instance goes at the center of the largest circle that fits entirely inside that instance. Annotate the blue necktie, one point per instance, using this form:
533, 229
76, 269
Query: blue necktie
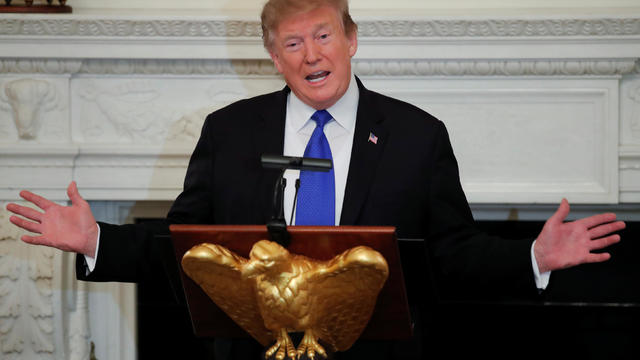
316, 197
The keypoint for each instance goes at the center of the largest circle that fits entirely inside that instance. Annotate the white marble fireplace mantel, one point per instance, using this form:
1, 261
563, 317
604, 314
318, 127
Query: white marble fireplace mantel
539, 107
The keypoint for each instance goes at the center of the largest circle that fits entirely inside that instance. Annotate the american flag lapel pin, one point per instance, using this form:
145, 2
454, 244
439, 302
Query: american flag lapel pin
373, 138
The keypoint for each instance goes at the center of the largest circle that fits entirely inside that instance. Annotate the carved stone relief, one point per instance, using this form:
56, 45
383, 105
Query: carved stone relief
43, 315
37, 66
27, 97
131, 109
26, 307
188, 127
150, 111
37, 108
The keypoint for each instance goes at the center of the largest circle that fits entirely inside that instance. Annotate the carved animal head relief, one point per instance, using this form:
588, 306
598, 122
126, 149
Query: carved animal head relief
27, 97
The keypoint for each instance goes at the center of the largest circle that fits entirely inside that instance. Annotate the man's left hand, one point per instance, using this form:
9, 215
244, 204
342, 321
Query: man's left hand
562, 244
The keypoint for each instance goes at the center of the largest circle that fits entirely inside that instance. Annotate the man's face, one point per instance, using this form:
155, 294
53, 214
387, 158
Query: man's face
313, 53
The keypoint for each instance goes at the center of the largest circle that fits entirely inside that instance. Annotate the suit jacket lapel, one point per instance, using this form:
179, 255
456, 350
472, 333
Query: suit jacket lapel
268, 138
365, 155
268, 133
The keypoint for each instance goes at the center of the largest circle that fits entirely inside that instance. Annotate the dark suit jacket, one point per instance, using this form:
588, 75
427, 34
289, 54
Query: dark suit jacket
409, 180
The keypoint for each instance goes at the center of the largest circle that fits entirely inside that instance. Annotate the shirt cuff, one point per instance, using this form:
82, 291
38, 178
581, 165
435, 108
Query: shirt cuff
542, 280
91, 261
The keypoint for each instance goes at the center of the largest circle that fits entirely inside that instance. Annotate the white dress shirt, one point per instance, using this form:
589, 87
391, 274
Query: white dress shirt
339, 132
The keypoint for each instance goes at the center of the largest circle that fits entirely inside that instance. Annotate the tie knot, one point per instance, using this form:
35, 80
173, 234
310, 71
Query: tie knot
321, 117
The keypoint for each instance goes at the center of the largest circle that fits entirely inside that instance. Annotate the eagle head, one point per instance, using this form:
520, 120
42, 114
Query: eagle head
266, 257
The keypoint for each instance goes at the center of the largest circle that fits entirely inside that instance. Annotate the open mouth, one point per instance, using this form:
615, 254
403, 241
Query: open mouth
317, 76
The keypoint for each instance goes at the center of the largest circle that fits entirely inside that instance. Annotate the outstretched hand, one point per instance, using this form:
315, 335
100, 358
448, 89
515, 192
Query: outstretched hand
68, 228
565, 244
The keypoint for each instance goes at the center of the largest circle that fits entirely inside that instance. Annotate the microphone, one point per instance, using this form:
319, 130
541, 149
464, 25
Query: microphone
277, 226
295, 163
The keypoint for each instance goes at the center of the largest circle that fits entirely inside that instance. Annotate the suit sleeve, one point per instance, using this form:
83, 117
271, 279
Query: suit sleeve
466, 260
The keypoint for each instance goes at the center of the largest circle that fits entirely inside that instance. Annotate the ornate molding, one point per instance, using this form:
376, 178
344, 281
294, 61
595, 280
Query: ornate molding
10, 341
501, 28
494, 68
601, 67
40, 270
257, 67
119, 28
446, 28
179, 67
26, 303
38, 66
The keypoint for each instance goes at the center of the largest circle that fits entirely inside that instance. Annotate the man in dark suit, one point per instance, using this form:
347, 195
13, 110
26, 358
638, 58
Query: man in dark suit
393, 166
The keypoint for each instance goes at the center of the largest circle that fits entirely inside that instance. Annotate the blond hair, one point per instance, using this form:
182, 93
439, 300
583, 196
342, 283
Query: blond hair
274, 11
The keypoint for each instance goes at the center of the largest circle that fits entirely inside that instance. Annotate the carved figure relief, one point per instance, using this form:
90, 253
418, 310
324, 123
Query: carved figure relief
131, 109
188, 127
143, 112
27, 99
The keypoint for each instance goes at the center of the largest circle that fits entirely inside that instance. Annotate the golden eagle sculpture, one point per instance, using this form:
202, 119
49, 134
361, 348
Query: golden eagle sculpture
274, 293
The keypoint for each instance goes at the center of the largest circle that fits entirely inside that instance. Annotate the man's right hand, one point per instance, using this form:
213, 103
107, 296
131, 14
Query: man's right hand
68, 228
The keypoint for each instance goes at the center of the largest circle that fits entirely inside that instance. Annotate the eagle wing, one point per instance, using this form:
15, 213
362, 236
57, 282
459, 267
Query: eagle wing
347, 289
217, 271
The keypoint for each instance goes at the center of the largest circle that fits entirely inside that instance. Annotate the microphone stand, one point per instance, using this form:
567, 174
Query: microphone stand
277, 226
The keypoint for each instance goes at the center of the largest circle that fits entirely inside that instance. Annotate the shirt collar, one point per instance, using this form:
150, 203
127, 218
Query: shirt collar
343, 111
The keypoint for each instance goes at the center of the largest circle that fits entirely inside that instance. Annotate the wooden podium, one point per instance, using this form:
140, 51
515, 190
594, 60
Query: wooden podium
390, 319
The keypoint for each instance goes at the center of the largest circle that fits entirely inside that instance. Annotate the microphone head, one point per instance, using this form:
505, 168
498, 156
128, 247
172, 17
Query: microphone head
295, 163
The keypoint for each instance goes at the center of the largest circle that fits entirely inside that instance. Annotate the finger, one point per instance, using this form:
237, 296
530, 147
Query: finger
36, 240
561, 213
604, 242
74, 195
596, 220
25, 211
41, 202
604, 229
596, 258
25, 224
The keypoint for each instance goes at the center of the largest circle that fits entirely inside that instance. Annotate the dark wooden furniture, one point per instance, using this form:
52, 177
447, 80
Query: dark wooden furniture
29, 7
